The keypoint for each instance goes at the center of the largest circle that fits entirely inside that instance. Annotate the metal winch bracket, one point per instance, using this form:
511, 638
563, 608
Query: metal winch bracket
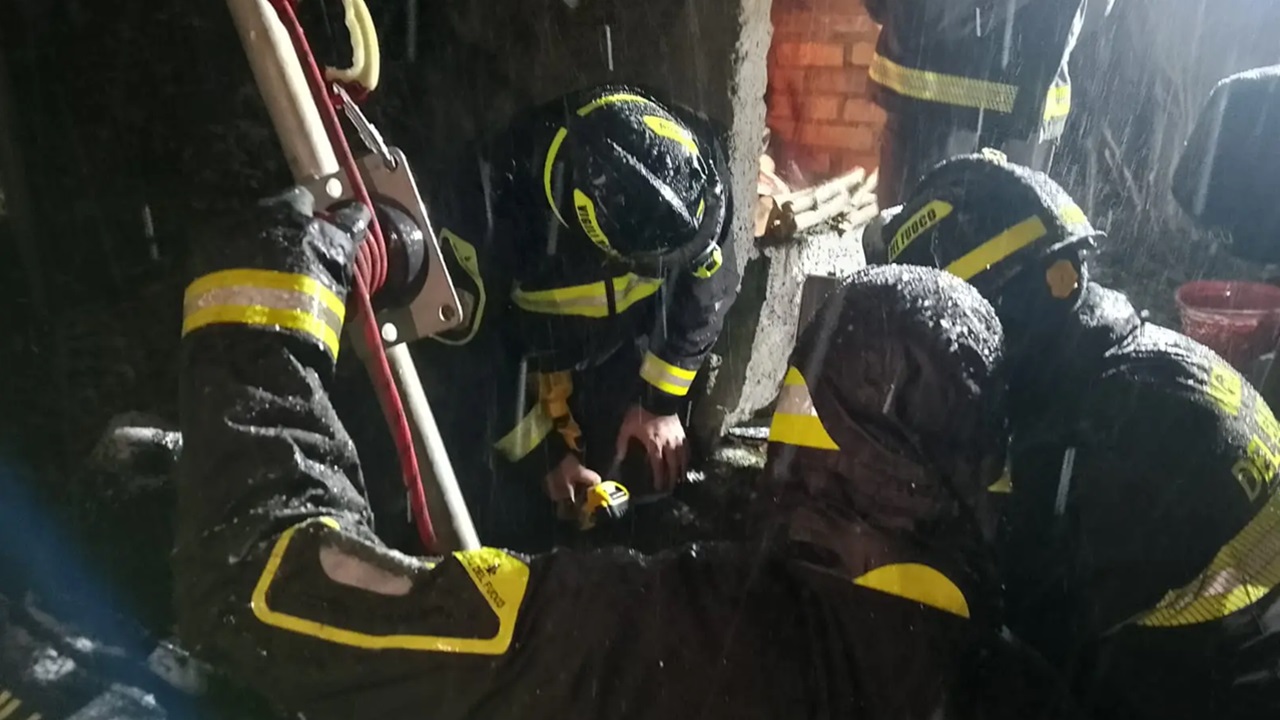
436, 308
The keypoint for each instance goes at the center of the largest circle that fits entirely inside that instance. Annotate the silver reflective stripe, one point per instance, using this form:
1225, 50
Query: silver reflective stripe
245, 295
590, 300
349, 570
670, 379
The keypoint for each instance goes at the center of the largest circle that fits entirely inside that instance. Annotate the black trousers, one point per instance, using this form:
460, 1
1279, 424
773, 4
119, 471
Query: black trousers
1226, 670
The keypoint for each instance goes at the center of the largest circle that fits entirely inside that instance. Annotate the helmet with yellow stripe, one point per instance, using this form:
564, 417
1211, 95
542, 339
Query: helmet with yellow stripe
1011, 232
624, 172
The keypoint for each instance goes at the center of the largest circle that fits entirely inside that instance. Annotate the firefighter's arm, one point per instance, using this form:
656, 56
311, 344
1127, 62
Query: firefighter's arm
279, 576
700, 297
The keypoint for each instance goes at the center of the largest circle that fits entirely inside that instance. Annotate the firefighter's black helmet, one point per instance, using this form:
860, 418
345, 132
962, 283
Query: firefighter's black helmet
1004, 228
625, 173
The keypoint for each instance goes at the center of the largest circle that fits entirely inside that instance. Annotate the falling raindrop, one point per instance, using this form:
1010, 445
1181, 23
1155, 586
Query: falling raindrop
149, 231
608, 45
411, 29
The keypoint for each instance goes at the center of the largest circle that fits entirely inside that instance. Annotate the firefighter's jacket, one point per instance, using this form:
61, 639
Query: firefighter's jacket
280, 578
549, 290
1004, 64
1144, 506
892, 417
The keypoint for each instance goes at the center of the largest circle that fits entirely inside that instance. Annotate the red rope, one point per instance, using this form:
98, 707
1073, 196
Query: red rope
371, 273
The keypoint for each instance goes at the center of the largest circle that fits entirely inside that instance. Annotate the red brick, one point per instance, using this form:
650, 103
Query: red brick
842, 81
860, 53
809, 54
798, 27
845, 137
817, 25
862, 110
866, 161
782, 129
813, 162
821, 107
852, 20
818, 165
783, 81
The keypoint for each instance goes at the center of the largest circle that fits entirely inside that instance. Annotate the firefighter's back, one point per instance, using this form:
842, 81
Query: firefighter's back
1167, 527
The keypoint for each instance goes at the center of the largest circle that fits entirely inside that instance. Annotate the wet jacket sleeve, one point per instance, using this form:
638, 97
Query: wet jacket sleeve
279, 576
696, 303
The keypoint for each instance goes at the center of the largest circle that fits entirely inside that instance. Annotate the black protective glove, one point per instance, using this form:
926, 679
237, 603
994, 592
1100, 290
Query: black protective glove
282, 233
277, 268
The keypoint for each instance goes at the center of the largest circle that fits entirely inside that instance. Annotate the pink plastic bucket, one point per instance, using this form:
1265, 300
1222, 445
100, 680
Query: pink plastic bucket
1236, 319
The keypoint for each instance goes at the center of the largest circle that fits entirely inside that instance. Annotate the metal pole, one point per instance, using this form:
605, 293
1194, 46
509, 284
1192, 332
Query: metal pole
284, 90
440, 484
310, 156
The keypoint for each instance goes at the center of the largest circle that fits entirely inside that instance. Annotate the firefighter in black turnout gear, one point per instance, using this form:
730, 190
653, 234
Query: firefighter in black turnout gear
955, 76
280, 579
590, 241
1142, 545
899, 446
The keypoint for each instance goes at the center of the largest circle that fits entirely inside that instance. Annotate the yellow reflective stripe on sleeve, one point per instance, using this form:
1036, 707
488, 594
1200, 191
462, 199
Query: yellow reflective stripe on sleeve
547, 166
594, 105
259, 316
795, 421
943, 88
590, 300
1242, 573
667, 129
668, 378
267, 299
524, 437
250, 280
998, 248
920, 583
500, 578
1058, 104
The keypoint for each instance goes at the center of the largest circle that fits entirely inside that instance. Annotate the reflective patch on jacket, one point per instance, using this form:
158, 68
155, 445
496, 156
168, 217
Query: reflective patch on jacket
1242, 573
795, 421
266, 299
917, 582
594, 300
670, 379
295, 594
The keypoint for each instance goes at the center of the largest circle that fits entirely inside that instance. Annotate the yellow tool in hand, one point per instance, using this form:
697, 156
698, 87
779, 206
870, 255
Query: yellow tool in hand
604, 502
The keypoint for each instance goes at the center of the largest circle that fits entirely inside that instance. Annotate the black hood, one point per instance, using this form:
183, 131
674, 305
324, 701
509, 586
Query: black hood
1066, 351
903, 365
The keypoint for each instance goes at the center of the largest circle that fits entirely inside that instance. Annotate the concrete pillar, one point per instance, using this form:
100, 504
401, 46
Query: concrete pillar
751, 358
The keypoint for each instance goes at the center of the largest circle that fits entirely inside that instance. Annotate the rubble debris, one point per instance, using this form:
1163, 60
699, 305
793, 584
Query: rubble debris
850, 197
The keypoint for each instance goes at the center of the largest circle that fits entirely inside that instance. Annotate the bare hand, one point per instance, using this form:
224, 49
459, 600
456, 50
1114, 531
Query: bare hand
568, 479
664, 441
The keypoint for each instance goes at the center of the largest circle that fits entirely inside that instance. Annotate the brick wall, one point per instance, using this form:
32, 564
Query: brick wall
822, 121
